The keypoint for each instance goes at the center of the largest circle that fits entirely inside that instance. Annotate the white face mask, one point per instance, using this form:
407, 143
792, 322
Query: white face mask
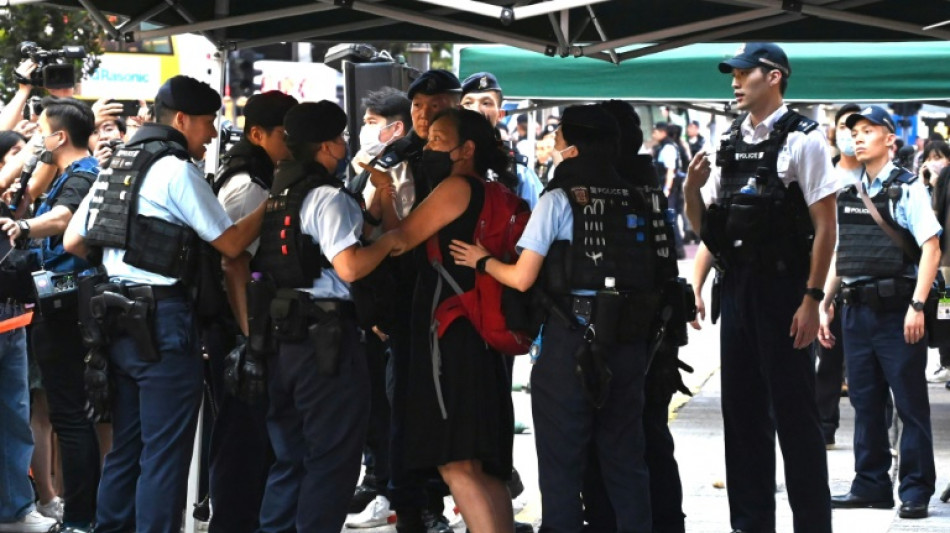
558, 155
845, 143
369, 138
936, 166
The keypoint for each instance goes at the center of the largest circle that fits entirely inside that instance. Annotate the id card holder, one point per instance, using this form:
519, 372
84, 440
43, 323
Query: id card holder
943, 309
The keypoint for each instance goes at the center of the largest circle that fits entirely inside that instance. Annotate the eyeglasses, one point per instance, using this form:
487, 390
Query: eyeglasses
51, 134
345, 136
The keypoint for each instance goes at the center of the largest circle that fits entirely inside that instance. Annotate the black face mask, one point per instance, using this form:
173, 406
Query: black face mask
437, 165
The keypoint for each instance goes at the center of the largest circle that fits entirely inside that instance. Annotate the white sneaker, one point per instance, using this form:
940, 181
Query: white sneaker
33, 522
940, 375
52, 509
377, 513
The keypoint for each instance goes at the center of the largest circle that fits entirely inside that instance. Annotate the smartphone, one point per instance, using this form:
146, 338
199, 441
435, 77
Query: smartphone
130, 108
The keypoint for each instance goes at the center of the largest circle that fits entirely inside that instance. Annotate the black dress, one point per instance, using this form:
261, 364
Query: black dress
479, 421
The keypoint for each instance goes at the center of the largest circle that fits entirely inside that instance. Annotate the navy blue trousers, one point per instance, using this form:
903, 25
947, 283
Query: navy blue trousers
154, 416
317, 427
568, 429
768, 387
240, 449
879, 359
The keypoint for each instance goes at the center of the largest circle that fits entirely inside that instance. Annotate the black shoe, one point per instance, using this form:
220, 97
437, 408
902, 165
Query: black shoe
361, 498
850, 501
435, 523
409, 520
523, 527
913, 510
515, 486
202, 511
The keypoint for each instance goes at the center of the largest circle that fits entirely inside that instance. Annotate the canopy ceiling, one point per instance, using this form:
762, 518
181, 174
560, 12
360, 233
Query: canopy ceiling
562, 28
864, 72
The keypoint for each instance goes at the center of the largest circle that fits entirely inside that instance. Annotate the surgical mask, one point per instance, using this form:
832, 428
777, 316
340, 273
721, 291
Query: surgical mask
558, 155
845, 143
437, 165
369, 139
936, 166
343, 163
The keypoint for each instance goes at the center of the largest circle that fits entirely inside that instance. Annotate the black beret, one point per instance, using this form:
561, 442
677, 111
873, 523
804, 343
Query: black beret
314, 122
592, 116
267, 110
435, 81
480, 82
188, 95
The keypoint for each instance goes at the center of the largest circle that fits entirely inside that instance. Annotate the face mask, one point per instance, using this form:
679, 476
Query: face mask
437, 165
845, 143
558, 155
343, 163
369, 139
936, 166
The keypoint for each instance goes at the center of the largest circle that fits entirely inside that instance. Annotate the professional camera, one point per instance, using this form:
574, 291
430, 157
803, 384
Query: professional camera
54, 68
33, 108
230, 135
55, 291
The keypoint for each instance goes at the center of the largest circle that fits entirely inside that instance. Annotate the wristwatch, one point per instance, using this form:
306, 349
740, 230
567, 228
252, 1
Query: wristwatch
24, 229
917, 305
815, 293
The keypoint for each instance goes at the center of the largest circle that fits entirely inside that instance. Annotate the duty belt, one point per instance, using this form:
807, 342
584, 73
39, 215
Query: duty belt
889, 294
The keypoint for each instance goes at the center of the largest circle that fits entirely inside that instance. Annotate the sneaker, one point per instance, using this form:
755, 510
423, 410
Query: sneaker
33, 522
202, 511
376, 514
939, 375
435, 524
362, 497
52, 509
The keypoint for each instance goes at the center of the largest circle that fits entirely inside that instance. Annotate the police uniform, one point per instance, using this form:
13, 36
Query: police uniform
240, 454
317, 380
157, 384
767, 385
878, 283
568, 425
58, 349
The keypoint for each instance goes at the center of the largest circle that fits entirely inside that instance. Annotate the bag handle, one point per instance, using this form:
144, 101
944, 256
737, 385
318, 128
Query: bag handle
912, 251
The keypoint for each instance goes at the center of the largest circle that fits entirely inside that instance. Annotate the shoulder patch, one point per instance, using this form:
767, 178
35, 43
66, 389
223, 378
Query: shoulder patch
581, 195
805, 125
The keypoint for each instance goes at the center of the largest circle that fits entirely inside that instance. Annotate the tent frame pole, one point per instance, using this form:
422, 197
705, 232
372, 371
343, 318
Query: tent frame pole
507, 15
237, 20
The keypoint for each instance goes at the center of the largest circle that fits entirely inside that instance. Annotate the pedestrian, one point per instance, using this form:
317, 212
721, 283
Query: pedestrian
767, 216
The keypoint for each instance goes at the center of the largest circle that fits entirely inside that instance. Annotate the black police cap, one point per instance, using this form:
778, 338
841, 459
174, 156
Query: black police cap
480, 82
875, 115
435, 81
188, 95
592, 120
314, 122
751, 55
267, 110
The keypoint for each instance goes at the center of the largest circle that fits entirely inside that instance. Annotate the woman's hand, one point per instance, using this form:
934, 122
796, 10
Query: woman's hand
467, 254
379, 178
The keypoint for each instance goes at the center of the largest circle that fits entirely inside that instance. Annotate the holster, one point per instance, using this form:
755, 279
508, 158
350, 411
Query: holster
593, 372
93, 334
891, 294
260, 340
121, 309
297, 317
716, 304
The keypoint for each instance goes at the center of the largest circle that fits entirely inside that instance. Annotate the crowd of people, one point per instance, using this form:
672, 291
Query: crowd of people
345, 314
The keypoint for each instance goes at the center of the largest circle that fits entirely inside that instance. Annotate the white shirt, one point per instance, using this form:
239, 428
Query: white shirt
334, 221
240, 196
804, 159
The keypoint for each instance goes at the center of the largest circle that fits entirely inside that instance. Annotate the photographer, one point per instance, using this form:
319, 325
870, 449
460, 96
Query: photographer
110, 130
65, 126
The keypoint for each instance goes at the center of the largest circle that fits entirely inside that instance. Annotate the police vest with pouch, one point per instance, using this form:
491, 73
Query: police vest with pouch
864, 249
150, 243
769, 225
289, 256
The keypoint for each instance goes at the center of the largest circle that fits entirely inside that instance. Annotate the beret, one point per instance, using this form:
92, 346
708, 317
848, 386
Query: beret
590, 121
314, 122
435, 81
480, 82
188, 95
267, 110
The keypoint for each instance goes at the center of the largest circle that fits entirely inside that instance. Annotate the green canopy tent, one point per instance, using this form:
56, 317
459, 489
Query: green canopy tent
821, 72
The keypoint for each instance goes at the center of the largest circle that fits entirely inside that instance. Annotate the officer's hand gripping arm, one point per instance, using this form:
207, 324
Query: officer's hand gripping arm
241, 234
519, 276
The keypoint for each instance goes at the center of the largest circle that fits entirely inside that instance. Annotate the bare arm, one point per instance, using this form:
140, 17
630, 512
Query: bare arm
241, 234
926, 272
444, 204
520, 276
806, 322
13, 111
237, 274
696, 177
357, 261
48, 224
75, 243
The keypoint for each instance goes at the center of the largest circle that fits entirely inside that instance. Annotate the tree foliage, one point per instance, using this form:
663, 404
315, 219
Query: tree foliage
51, 28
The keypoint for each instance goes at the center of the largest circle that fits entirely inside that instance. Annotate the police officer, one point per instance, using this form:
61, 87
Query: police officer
240, 450
57, 345
417, 497
317, 380
577, 413
772, 196
887, 275
481, 92
143, 218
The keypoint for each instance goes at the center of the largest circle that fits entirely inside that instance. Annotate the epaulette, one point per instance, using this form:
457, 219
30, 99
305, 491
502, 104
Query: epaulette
400, 151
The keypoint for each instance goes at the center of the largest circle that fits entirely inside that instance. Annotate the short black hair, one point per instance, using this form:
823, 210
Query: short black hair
9, 139
163, 114
782, 84
389, 103
844, 110
72, 116
940, 147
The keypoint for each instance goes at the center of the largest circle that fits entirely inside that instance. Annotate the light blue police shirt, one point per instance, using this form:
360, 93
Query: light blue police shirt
334, 220
174, 191
551, 220
529, 185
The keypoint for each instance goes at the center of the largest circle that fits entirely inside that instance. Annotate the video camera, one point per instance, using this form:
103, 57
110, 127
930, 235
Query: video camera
54, 68
230, 135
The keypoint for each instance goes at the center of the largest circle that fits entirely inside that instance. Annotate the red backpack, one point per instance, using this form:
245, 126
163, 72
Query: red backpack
500, 224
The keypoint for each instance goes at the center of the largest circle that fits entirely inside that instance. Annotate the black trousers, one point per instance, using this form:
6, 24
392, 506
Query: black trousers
376, 453
57, 345
768, 388
240, 454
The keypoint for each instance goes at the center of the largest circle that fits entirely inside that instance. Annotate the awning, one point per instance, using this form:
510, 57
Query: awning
821, 72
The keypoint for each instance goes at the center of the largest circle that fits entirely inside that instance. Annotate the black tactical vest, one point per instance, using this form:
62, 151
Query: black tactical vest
619, 231
150, 243
864, 249
771, 226
287, 255
245, 157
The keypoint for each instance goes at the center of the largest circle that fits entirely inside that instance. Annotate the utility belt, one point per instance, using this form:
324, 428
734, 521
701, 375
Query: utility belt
890, 294
614, 318
297, 317
108, 310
